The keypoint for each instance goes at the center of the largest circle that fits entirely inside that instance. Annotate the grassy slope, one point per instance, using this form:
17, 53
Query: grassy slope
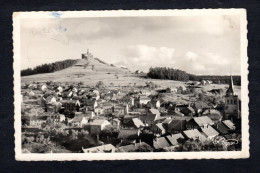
107, 74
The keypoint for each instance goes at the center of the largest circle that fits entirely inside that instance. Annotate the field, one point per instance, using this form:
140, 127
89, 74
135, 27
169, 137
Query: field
108, 74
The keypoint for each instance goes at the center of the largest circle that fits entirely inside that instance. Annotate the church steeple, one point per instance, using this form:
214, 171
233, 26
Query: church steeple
230, 90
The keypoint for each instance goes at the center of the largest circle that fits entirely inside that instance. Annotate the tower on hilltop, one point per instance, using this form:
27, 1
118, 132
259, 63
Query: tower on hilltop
87, 56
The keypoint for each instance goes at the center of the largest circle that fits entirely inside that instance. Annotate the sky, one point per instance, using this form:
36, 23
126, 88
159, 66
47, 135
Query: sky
202, 45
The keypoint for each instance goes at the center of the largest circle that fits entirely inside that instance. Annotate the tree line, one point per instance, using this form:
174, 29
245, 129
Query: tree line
216, 79
167, 73
179, 75
48, 68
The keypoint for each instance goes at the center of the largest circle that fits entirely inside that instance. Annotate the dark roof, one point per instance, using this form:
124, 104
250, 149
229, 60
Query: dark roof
222, 128
39, 118
133, 147
89, 102
177, 125
128, 134
229, 124
200, 105
150, 117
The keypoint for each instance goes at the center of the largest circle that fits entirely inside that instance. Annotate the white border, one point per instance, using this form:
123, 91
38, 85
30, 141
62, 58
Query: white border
17, 16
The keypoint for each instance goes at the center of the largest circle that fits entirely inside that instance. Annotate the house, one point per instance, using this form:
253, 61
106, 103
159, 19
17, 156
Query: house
129, 135
155, 103
99, 111
177, 113
143, 100
175, 139
90, 104
188, 111
116, 122
160, 143
177, 126
168, 90
60, 89
70, 105
197, 122
209, 132
229, 124
57, 118
43, 88
79, 120
221, 128
152, 116
123, 109
137, 123
51, 99
108, 148
38, 120
158, 129
94, 94
98, 125
213, 114
31, 94
90, 114
193, 134
136, 147
67, 94
199, 106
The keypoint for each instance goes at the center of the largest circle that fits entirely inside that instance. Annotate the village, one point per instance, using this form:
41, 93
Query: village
65, 117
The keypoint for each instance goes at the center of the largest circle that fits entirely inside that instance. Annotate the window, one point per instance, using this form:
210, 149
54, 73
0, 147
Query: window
231, 101
235, 101
227, 101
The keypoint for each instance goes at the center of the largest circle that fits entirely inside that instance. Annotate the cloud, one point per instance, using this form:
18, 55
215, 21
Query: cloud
142, 57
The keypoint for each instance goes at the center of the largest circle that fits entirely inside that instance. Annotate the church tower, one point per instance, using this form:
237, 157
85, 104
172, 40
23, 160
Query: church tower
231, 102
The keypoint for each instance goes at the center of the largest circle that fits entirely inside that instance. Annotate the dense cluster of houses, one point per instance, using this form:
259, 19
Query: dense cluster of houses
133, 114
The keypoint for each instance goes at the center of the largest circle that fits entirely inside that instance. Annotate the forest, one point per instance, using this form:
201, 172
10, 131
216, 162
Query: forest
179, 75
48, 68
167, 73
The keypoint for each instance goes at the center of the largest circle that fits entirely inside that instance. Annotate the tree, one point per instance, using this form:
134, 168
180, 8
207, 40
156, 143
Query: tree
100, 84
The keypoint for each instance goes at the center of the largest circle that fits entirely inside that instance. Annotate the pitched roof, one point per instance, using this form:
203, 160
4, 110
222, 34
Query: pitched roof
99, 149
160, 142
77, 118
39, 118
154, 111
128, 134
222, 128
177, 125
229, 124
144, 97
209, 131
137, 122
133, 147
194, 134
150, 117
89, 102
203, 120
160, 126
97, 122
174, 138
200, 105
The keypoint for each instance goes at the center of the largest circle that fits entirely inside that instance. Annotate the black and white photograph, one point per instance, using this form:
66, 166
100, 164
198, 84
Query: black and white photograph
148, 84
